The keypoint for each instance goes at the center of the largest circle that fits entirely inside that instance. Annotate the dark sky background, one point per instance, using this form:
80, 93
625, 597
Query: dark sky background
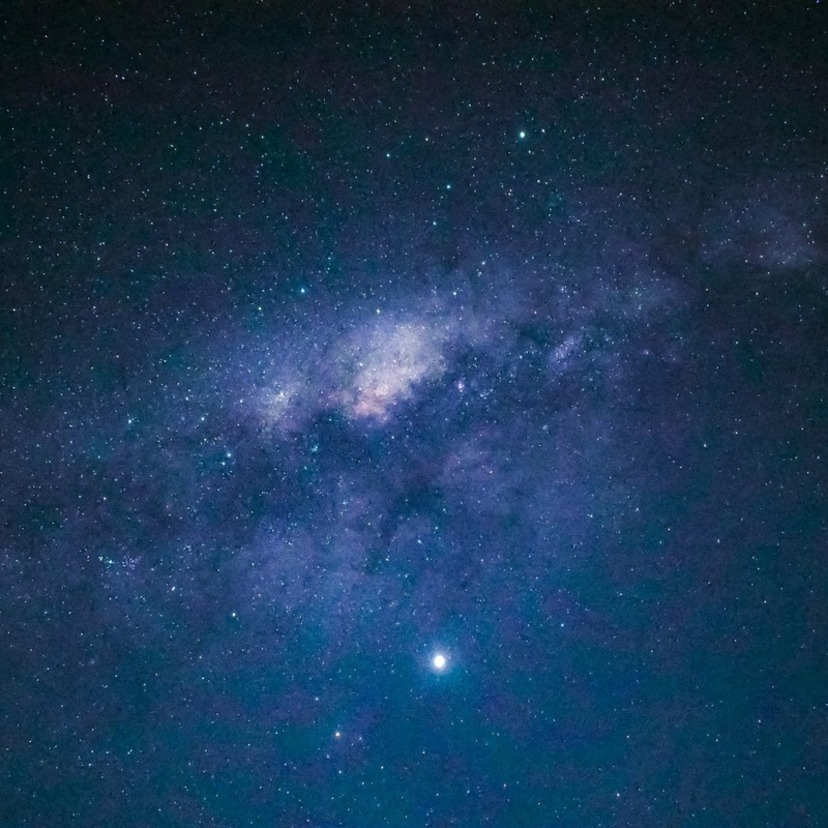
337, 336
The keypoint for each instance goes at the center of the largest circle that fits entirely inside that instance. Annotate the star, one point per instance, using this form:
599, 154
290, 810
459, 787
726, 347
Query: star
439, 662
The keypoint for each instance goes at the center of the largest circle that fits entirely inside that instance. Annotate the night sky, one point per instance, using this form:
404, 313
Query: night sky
413, 414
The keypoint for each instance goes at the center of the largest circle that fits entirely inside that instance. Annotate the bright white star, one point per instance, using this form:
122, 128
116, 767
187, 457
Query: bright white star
439, 662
